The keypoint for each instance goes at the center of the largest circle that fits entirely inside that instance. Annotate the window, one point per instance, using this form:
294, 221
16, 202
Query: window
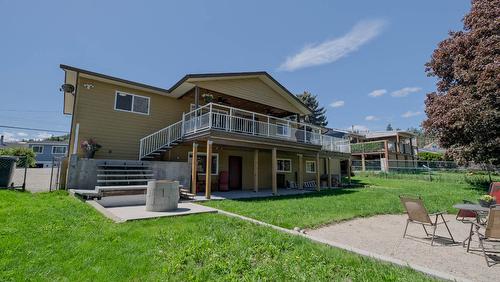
282, 129
58, 150
202, 163
131, 103
38, 149
310, 166
284, 165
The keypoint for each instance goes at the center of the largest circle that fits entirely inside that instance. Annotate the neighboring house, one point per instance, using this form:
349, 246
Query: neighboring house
245, 121
383, 150
48, 152
432, 147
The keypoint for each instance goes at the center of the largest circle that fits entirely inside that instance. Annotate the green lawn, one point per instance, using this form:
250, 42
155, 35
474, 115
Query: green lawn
316, 209
53, 236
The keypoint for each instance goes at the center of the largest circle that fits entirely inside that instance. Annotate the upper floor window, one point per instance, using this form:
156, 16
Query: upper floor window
58, 150
131, 103
37, 149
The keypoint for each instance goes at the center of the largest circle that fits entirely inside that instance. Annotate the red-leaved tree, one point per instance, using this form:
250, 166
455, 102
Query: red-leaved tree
464, 111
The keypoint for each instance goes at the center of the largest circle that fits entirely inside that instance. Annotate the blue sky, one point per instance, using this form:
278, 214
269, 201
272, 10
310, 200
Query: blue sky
340, 50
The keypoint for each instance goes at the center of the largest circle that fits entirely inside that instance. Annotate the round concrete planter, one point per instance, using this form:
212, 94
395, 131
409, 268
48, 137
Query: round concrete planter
162, 195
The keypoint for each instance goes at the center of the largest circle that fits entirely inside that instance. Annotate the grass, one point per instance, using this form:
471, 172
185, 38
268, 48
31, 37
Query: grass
51, 236
381, 197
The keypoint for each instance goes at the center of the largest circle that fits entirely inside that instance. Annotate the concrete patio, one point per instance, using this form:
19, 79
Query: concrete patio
135, 212
382, 235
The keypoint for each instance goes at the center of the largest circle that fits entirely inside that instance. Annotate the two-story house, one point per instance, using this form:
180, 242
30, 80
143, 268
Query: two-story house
246, 124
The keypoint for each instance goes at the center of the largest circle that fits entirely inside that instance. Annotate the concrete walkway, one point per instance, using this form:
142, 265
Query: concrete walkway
382, 235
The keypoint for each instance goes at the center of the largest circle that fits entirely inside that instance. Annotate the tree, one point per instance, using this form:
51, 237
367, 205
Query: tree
27, 155
389, 127
318, 116
464, 111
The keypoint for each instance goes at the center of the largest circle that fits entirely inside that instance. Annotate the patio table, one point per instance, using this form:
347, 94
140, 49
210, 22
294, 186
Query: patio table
479, 210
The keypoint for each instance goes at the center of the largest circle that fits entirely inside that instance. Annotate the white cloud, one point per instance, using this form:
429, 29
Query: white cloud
405, 91
334, 49
358, 127
410, 114
9, 136
43, 135
377, 93
337, 104
22, 134
371, 118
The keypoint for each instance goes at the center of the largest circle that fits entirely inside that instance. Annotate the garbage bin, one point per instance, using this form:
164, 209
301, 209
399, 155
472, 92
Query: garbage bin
162, 195
7, 167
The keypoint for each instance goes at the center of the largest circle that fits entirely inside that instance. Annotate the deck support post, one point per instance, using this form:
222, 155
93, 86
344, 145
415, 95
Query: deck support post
329, 169
301, 172
208, 173
318, 179
274, 170
363, 164
349, 170
194, 166
256, 170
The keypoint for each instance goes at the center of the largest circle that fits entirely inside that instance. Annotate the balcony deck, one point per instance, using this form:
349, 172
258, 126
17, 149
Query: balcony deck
216, 117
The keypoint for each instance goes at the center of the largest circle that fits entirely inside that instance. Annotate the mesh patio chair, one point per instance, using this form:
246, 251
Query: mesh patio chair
491, 233
417, 213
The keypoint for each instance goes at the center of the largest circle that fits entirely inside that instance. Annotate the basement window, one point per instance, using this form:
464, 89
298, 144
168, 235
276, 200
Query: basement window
131, 103
284, 165
202, 162
310, 167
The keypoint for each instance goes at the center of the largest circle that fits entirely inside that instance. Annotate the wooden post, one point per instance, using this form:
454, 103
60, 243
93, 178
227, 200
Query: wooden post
208, 172
397, 144
363, 165
318, 179
274, 170
329, 169
301, 172
196, 97
256, 170
194, 166
386, 150
349, 170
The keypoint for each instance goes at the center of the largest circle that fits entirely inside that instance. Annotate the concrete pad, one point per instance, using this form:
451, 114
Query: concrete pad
382, 235
126, 213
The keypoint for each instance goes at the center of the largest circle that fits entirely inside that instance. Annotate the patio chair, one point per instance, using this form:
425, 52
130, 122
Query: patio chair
417, 213
495, 190
491, 233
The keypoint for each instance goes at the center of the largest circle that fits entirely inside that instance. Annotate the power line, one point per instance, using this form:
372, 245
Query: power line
33, 129
30, 111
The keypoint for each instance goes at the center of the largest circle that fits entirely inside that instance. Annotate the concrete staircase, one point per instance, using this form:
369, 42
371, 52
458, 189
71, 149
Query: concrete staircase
115, 176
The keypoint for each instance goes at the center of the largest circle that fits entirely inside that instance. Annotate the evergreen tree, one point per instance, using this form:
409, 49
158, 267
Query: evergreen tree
389, 127
318, 116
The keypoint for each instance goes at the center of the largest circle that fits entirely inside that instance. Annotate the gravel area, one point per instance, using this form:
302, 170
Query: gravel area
383, 235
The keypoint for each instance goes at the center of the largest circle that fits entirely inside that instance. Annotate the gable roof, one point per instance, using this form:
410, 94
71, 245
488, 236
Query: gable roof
186, 83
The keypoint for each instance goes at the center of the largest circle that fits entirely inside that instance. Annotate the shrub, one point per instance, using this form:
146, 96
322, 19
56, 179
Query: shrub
27, 154
429, 156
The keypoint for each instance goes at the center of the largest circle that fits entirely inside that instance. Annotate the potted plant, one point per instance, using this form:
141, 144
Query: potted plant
208, 97
486, 201
90, 147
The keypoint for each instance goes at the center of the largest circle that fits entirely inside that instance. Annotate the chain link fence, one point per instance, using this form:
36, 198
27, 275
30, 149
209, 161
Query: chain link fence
44, 179
447, 171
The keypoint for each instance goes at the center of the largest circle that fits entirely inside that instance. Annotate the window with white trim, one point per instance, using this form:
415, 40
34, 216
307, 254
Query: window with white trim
38, 149
58, 150
284, 165
282, 129
202, 162
131, 103
310, 167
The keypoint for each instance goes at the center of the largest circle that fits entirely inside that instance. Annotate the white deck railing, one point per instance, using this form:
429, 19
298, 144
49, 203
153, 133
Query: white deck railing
234, 120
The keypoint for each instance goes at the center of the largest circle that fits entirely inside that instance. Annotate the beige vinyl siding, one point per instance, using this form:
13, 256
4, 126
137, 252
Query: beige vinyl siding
252, 89
119, 132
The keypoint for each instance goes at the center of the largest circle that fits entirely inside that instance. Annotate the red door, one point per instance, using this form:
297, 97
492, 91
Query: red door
235, 171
